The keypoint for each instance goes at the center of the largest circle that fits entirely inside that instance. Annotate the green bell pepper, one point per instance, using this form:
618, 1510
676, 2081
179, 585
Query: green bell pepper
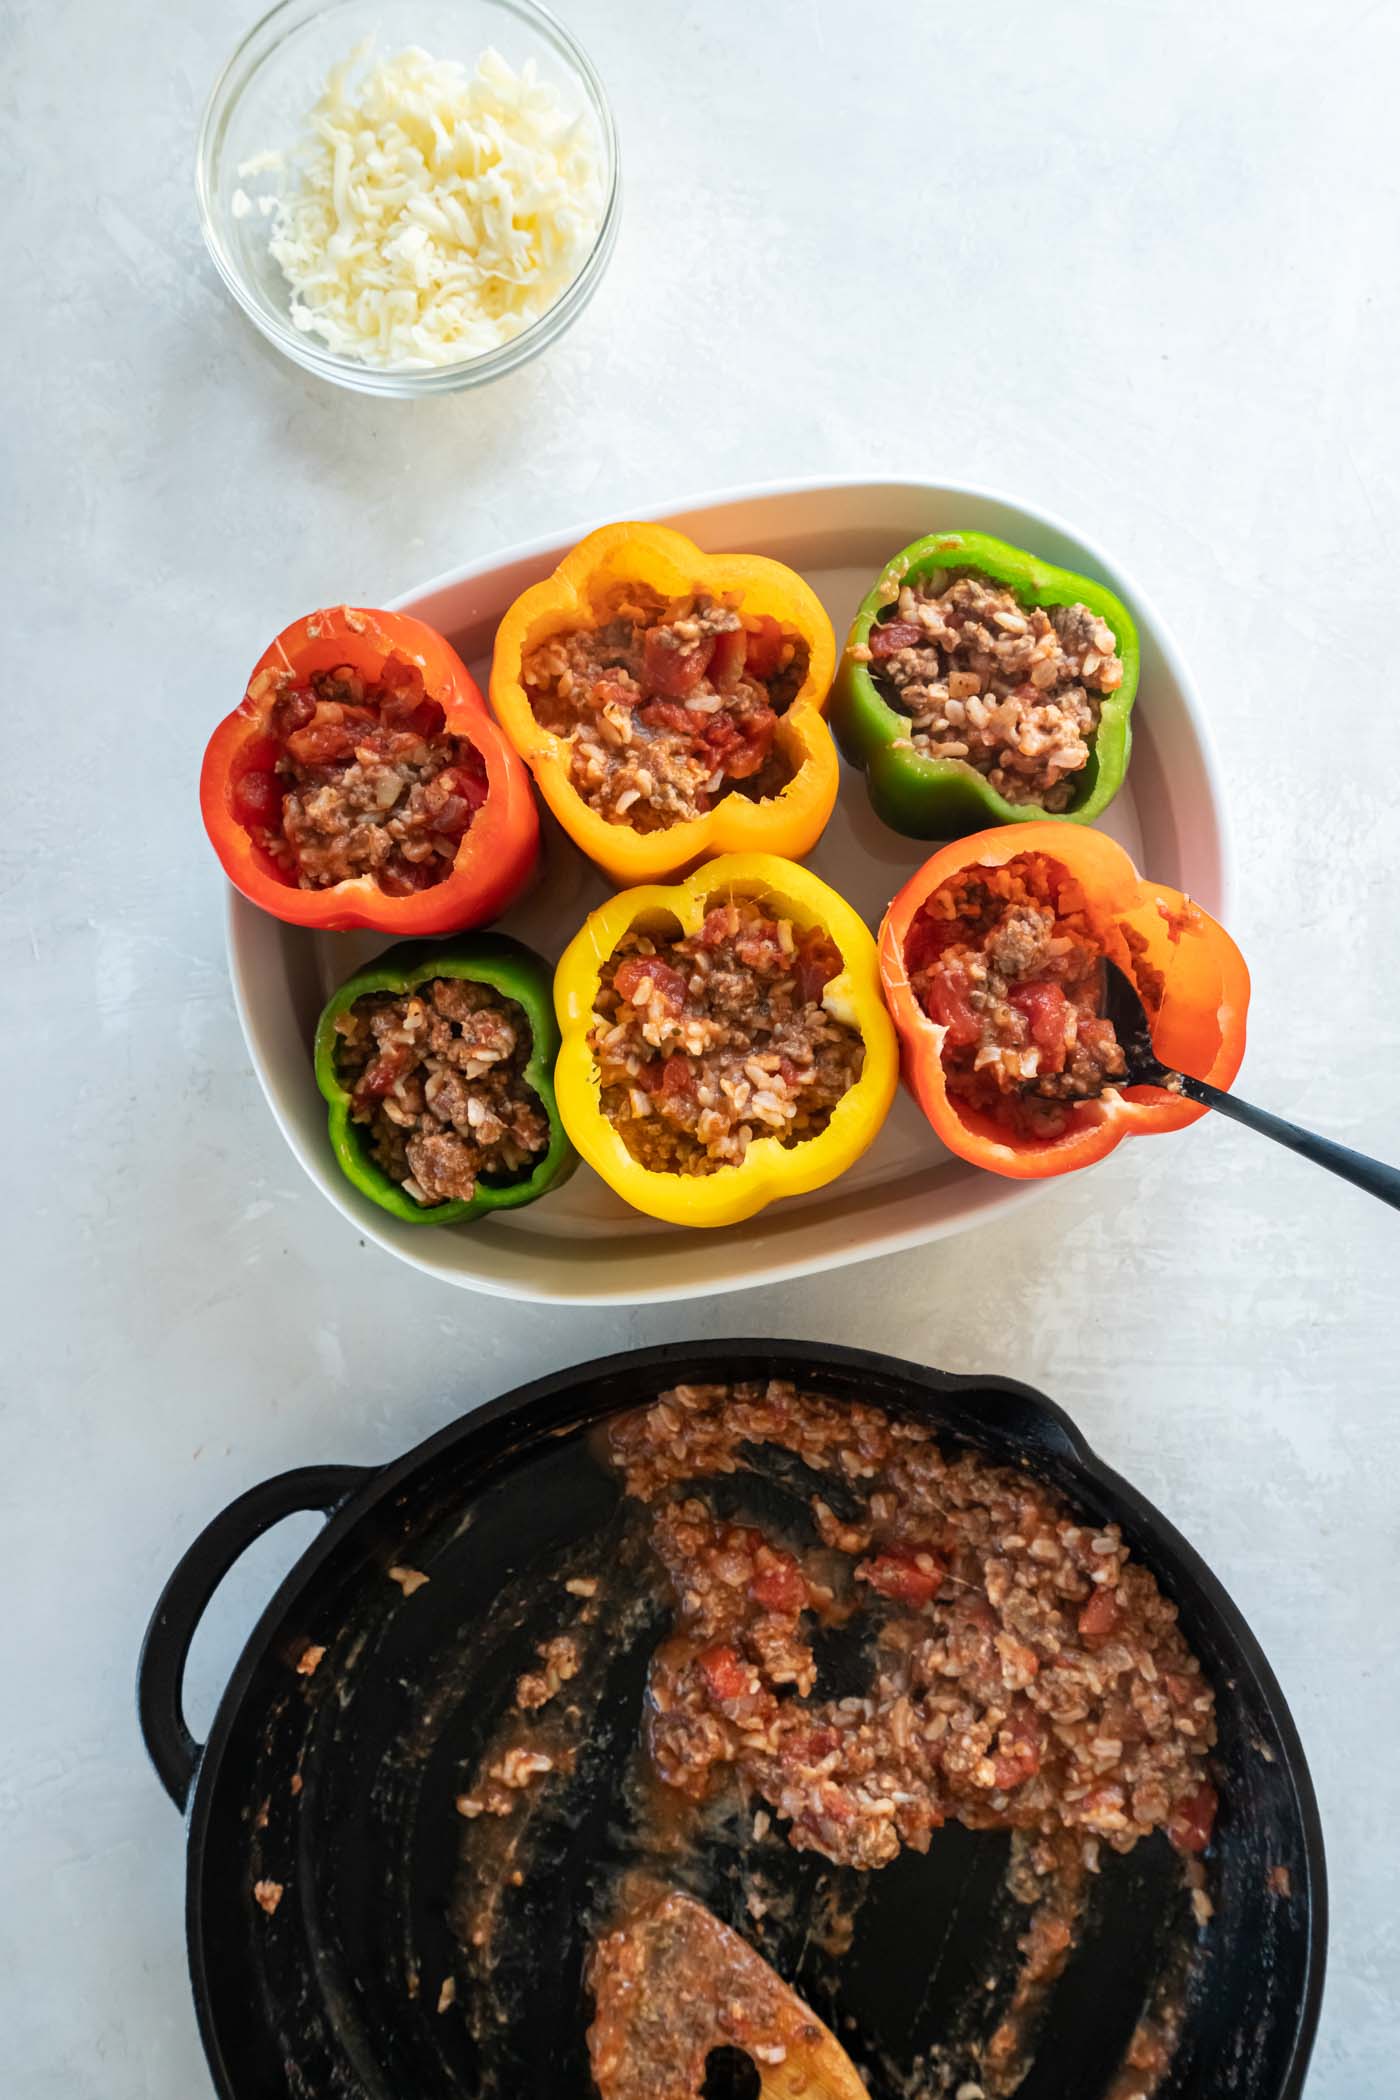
946, 798
484, 958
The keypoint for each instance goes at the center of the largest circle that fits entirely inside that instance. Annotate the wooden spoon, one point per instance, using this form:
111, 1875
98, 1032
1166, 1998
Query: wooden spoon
671, 1984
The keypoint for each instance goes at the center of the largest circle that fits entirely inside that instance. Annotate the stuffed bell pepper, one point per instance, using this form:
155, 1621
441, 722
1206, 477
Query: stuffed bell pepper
992, 963
362, 782
437, 1063
724, 1040
981, 686
669, 703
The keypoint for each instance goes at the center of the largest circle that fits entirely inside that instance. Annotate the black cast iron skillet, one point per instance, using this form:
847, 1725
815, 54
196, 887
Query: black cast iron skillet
339, 1787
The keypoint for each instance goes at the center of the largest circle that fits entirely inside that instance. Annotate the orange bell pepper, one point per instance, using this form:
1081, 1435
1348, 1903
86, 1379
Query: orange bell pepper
498, 850
1189, 973
787, 824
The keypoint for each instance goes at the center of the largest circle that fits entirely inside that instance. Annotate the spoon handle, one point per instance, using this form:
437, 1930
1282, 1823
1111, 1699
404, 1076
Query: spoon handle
1373, 1175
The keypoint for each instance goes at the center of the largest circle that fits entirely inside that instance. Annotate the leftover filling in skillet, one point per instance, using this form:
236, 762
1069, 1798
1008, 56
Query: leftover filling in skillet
360, 777
668, 704
1026, 1673
437, 1077
1013, 690
1011, 1668
706, 1041
1006, 961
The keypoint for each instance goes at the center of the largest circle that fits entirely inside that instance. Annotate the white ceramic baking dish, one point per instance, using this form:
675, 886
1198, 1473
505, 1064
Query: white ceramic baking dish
582, 1245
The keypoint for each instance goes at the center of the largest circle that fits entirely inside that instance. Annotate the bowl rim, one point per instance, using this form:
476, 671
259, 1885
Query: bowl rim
304, 349
779, 1264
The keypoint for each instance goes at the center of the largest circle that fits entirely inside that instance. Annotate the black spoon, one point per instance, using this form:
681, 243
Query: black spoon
1124, 1008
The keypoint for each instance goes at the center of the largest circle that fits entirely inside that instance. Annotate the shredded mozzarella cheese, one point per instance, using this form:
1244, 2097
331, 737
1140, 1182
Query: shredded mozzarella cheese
433, 214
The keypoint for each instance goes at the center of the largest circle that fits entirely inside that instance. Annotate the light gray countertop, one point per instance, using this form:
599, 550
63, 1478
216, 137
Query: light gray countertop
1133, 262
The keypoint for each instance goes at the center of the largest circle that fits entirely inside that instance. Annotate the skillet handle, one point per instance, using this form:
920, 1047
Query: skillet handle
1040, 1423
160, 1674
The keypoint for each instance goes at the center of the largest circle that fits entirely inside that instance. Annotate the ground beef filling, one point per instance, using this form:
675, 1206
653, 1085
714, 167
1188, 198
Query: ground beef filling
1025, 1673
1007, 962
358, 777
668, 704
1014, 690
707, 1042
437, 1078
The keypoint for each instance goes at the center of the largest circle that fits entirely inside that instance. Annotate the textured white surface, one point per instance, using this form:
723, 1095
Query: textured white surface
1135, 261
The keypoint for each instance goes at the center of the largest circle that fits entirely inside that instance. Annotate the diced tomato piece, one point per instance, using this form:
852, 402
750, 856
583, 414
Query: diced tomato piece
727, 1676
610, 689
668, 985
760, 946
403, 701
1094, 1031
293, 711
257, 797
1100, 1616
455, 796
905, 1575
1046, 1009
716, 927
757, 732
928, 938
741, 743
1192, 1820
673, 1078
382, 1072
721, 735
808, 1746
452, 818
322, 743
780, 1587
888, 637
405, 878
669, 671
669, 714
398, 675
427, 720
947, 1004
727, 661
763, 648
818, 961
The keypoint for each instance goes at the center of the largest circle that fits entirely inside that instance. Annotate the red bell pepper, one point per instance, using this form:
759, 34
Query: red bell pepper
238, 785
1189, 973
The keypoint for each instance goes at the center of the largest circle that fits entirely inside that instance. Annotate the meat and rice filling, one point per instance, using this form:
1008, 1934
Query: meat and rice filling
668, 704
1024, 1672
1007, 962
708, 1041
361, 777
437, 1076
1013, 690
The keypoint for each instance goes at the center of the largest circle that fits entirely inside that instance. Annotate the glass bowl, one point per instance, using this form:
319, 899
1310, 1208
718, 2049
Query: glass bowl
260, 101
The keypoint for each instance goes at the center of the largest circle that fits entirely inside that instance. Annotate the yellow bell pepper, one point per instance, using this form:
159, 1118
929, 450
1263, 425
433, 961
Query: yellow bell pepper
789, 823
770, 1169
